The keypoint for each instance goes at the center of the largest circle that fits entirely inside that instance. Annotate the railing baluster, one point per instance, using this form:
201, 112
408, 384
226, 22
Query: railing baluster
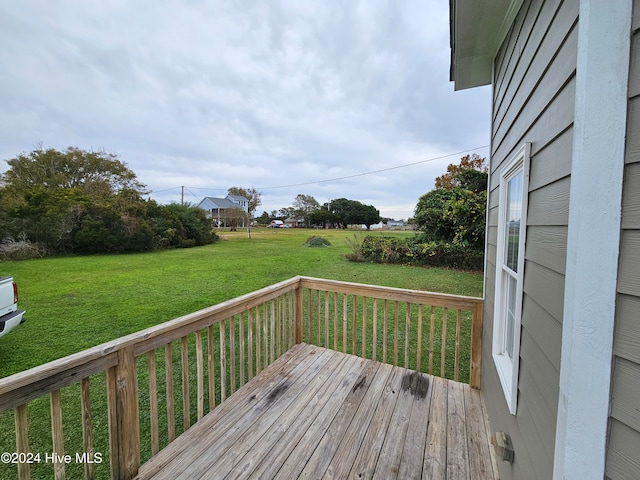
22, 440
335, 321
457, 353
318, 316
243, 358
395, 335
184, 363
431, 338
211, 365
326, 319
258, 341
56, 434
232, 352
87, 424
272, 336
250, 341
354, 329
364, 326
265, 336
375, 329
419, 346
385, 330
153, 402
168, 370
344, 322
407, 324
199, 375
443, 346
276, 305
223, 362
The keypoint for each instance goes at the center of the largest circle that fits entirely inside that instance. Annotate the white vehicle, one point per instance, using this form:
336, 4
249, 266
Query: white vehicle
10, 315
276, 224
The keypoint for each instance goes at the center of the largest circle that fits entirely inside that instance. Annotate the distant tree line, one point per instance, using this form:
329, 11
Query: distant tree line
77, 201
338, 213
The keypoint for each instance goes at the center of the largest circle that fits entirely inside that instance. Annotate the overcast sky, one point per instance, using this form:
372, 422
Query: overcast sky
277, 95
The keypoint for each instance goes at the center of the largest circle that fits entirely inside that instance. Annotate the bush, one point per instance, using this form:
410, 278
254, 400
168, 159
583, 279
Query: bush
22, 249
417, 251
317, 241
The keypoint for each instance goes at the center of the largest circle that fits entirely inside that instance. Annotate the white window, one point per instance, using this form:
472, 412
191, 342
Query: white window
512, 221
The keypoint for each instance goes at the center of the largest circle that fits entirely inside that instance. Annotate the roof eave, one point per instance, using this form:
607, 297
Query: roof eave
477, 28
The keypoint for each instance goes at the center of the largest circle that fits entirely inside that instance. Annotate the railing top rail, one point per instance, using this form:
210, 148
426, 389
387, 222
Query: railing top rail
391, 293
146, 339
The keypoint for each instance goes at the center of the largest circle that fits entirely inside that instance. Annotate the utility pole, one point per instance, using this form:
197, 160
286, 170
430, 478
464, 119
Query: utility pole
182, 198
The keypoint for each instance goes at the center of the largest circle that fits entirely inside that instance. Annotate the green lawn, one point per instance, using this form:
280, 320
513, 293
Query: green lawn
74, 303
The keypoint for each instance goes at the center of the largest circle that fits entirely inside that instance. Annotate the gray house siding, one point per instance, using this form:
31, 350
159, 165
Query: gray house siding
623, 458
533, 101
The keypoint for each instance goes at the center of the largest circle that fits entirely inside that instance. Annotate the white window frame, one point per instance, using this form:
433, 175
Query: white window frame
508, 365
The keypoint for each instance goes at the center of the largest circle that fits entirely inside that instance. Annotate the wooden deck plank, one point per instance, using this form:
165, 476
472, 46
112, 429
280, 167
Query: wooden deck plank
365, 462
416, 439
311, 457
317, 413
368, 422
245, 437
480, 465
435, 455
457, 458
280, 444
388, 464
219, 438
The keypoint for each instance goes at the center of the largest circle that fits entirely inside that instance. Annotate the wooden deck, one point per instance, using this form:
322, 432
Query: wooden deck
317, 413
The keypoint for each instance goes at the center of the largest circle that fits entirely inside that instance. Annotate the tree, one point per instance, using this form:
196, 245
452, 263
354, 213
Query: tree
96, 174
46, 193
351, 212
250, 194
304, 205
453, 178
455, 210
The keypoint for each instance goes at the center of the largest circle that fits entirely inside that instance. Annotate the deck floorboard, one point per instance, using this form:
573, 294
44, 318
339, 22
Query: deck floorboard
317, 413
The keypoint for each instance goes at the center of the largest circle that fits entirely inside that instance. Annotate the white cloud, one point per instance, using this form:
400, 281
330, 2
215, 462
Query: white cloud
215, 94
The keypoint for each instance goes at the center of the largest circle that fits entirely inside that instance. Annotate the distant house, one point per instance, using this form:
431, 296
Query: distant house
230, 211
294, 222
395, 223
561, 349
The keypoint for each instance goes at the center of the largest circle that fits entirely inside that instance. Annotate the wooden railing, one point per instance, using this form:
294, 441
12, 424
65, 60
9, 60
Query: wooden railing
123, 401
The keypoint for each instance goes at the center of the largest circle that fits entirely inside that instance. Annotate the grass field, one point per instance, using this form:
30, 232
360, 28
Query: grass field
74, 303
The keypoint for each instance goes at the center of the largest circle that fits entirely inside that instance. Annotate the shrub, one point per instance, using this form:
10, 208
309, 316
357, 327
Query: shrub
21, 249
417, 251
317, 241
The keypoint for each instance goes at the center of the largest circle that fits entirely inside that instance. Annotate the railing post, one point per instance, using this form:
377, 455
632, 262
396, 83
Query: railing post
476, 346
124, 425
299, 312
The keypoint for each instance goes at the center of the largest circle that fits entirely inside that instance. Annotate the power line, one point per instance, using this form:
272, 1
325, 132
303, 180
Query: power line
355, 175
373, 171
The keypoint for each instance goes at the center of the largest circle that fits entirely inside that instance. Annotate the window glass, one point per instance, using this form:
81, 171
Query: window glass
514, 215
